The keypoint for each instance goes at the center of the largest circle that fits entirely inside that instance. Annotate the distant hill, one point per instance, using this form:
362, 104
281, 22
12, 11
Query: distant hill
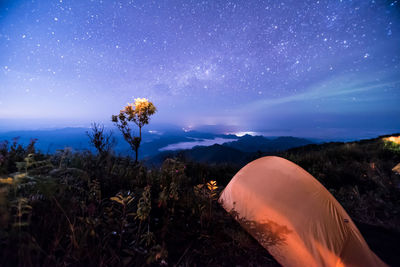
237, 152
248, 143
215, 154
48, 141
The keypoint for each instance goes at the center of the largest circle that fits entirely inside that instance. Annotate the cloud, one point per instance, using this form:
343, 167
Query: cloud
329, 89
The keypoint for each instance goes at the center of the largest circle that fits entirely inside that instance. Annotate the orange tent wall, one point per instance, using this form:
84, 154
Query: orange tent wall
294, 217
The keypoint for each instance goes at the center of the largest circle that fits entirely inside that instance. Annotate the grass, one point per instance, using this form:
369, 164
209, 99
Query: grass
102, 210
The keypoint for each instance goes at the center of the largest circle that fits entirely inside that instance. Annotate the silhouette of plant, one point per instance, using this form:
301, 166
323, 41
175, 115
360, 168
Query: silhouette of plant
143, 214
139, 113
94, 191
268, 233
144, 205
103, 142
206, 194
212, 194
171, 180
122, 212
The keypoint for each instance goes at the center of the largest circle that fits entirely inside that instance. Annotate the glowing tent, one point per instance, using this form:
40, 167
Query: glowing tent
396, 168
294, 217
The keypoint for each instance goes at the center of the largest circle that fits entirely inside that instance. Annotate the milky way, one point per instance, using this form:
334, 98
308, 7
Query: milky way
316, 68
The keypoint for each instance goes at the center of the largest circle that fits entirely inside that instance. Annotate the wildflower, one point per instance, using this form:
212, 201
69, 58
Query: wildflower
8, 180
212, 185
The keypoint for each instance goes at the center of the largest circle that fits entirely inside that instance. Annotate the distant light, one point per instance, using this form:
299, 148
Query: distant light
187, 129
393, 139
240, 134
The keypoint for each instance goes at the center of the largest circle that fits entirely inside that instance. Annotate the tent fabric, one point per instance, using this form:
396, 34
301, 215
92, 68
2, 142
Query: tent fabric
396, 168
294, 217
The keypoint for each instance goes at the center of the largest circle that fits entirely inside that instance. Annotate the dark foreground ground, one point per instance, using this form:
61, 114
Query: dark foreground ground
81, 209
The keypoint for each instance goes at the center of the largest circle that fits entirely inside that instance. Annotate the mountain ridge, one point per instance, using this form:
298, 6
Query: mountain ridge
237, 152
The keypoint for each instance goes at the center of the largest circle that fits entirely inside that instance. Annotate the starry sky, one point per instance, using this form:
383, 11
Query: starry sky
302, 68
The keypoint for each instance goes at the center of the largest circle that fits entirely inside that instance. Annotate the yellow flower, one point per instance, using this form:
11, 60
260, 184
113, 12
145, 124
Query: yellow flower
139, 101
212, 185
8, 180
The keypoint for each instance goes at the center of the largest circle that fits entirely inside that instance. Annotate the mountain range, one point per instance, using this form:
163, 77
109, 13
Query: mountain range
237, 152
198, 146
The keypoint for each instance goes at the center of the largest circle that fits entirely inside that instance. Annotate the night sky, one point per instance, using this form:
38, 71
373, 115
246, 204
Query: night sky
302, 68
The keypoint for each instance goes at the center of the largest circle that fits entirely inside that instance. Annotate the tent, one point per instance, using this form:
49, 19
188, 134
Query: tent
396, 168
294, 217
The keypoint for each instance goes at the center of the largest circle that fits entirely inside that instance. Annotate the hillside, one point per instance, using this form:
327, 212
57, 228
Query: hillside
215, 154
248, 143
239, 152
88, 209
